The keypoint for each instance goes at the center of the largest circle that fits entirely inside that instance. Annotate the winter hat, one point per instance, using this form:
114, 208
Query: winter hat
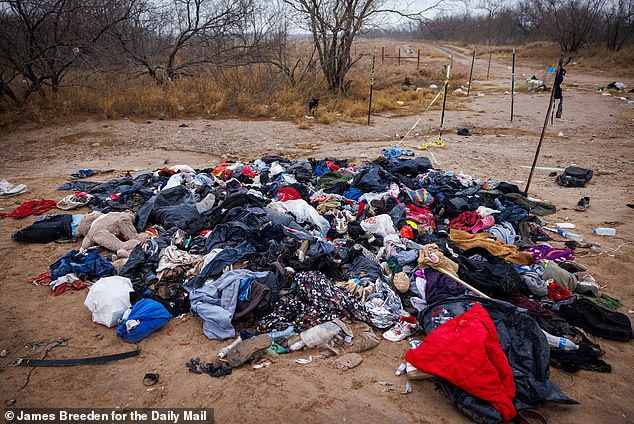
419, 197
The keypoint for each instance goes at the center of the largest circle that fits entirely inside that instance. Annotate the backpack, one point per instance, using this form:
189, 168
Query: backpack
573, 176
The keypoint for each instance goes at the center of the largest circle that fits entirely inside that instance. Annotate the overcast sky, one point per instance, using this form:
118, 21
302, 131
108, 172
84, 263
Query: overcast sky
415, 6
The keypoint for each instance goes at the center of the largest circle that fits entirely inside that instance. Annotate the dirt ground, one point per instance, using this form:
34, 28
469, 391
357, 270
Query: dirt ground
596, 132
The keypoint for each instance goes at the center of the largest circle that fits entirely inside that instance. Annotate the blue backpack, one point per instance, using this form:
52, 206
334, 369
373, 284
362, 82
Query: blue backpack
150, 314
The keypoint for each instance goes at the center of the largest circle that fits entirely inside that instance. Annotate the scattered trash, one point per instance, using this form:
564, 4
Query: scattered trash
583, 204
264, 364
7, 189
385, 383
348, 361
618, 86
602, 231
463, 132
303, 361
294, 246
408, 388
566, 225
150, 379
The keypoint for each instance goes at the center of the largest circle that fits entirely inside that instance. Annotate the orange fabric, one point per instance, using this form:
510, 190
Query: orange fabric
508, 252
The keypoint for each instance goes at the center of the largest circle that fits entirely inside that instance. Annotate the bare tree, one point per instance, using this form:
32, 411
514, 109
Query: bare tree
619, 24
491, 8
530, 16
334, 24
41, 40
573, 21
169, 38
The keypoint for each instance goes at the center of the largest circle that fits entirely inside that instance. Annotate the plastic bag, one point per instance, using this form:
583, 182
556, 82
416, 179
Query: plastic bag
380, 225
108, 299
142, 319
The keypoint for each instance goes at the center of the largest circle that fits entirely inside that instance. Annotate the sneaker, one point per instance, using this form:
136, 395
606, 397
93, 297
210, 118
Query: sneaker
583, 204
403, 329
341, 223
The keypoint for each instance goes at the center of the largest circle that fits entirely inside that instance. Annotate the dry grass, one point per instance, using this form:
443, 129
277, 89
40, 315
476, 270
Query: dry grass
260, 92
595, 58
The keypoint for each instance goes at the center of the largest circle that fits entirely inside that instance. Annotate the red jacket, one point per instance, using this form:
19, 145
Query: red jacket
466, 351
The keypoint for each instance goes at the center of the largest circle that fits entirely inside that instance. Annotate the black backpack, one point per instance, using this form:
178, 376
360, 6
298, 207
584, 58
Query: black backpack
573, 176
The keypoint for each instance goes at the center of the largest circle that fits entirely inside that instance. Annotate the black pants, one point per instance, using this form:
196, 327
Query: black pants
49, 228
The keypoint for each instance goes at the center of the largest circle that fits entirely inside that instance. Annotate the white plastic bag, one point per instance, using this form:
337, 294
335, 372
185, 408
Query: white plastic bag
380, 225
108, 299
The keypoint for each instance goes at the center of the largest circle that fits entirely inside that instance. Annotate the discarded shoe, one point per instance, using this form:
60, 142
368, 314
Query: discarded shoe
583, 204
403, 329
342, 223
247, 349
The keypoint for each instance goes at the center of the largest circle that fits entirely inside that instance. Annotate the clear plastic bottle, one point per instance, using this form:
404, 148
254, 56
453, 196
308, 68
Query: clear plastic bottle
560, 342
605, 231
283, 334
570, 235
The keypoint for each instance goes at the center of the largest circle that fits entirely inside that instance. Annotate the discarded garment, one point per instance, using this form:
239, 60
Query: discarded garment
466, 351
313, 300
509, 252
31, 207
87, 265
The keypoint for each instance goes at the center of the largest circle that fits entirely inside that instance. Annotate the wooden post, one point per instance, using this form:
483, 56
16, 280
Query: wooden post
471, 73
382, 54
444, 101
418, 60
489, 67
371, 85
541, 137
512, 85
399, 56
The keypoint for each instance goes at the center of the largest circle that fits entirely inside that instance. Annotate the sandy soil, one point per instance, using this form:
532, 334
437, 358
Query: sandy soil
597, 134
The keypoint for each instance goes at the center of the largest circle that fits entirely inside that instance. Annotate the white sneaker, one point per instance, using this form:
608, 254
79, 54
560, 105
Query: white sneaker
401, 330
341, 223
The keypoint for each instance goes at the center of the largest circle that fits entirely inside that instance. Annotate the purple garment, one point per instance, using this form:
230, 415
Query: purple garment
440, 286
543, 251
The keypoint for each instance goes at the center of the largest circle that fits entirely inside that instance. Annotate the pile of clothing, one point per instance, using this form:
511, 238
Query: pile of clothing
285, 246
